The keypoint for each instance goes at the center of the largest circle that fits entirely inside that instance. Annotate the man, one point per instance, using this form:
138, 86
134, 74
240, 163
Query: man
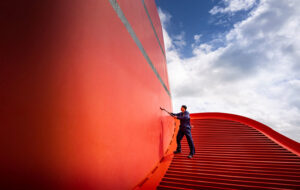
184, 129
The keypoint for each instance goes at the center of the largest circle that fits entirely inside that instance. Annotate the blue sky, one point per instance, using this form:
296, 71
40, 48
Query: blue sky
194, 18
235, 56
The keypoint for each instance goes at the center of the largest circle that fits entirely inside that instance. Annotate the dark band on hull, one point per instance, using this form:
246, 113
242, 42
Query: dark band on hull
122, 17
145, 7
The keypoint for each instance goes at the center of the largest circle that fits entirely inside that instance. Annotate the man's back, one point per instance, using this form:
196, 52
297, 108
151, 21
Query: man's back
184, 118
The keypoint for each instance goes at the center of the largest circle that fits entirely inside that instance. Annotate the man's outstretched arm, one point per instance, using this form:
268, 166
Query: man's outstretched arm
175, 114
172, 114
183, 116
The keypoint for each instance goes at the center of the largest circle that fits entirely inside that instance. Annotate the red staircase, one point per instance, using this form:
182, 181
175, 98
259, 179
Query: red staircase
232, 155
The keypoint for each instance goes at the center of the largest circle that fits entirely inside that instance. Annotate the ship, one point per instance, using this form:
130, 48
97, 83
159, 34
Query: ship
82, 83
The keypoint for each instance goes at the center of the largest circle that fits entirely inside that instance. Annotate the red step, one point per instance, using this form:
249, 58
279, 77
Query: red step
231, 155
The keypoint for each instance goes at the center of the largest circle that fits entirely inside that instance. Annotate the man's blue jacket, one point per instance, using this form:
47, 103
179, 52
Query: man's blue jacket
184, 118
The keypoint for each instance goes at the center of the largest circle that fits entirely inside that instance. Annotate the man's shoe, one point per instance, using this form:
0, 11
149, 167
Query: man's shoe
176, 152
190, 156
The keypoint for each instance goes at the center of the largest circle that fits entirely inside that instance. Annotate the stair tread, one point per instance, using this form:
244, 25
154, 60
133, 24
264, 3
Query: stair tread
230, 155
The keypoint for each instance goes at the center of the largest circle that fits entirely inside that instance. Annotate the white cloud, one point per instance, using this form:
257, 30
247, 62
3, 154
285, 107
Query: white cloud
233, 6
197, 37
164, 17
255, 74
178, 40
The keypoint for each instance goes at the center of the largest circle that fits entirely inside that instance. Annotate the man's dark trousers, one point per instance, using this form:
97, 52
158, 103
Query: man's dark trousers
188, 134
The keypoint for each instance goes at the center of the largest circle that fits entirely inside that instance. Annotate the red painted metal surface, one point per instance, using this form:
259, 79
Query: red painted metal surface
151, 6
282, 140
232, 152
79, 101
140, 24
152, 180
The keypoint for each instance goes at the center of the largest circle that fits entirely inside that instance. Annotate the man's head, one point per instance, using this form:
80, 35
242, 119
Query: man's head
183, 108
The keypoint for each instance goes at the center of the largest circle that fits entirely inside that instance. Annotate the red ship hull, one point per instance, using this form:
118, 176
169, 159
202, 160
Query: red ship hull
81, 87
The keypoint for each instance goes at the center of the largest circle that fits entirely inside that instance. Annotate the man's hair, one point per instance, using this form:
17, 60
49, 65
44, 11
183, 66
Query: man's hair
184, 106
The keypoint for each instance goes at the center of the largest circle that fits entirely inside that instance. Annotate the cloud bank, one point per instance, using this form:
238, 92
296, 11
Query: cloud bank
233, 6
256, 73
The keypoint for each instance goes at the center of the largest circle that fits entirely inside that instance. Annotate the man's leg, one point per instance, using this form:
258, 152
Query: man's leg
179, 138
189, 138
